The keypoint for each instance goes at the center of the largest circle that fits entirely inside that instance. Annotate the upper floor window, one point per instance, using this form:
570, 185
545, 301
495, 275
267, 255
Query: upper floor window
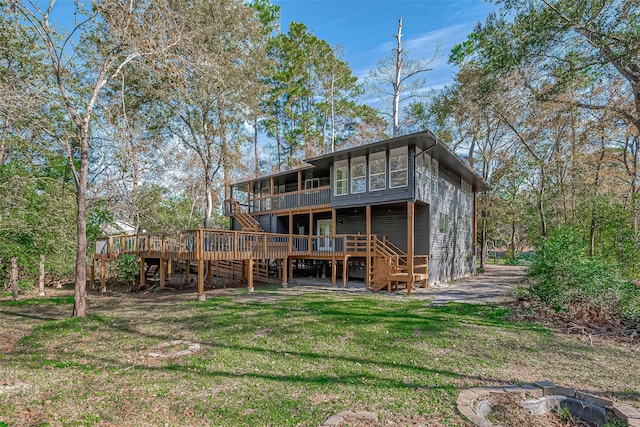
358, 175
435, 171
378, 171
398, 167
340, 178
423, 174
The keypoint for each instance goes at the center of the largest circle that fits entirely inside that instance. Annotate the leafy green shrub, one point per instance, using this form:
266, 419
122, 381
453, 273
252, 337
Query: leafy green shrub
511, 261
479, 270
565, 275
127, 267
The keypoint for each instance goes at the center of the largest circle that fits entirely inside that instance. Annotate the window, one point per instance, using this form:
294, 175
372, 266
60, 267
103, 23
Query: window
398, 173
443, 223
311, 183
423, 175
434, 176
340, 178
358, 175
378, 171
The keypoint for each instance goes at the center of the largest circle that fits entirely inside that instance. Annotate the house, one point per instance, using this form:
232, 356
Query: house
398, 211
411, 192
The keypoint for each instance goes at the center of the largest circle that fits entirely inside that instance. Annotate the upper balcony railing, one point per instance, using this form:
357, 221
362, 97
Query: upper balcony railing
311, 197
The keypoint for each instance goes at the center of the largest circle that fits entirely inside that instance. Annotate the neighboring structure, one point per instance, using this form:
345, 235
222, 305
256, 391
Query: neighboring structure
412, 190
402, 210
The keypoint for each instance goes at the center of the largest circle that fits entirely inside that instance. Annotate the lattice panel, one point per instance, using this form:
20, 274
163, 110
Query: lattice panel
381, 271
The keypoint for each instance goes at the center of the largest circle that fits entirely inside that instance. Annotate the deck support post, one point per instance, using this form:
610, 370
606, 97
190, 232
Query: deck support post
344, 272
142, 273
103, 275
283, 272
290, 267
169, 267
93, 273
201, 295
334, 268
162, 272
250, 275
367, 282
410, 244
187, 271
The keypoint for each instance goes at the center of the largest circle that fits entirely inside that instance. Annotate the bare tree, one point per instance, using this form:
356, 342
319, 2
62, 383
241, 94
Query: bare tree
396, 79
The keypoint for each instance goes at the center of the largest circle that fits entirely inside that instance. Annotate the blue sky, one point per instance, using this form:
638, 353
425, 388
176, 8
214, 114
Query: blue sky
364, 28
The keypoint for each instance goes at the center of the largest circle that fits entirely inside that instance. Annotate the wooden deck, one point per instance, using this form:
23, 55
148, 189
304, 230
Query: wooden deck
205, 246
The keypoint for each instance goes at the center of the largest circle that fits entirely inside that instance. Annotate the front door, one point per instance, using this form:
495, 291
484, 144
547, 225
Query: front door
325, 229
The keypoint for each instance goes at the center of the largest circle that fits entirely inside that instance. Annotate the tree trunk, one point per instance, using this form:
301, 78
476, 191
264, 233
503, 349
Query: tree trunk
397, 82
41, 278
14, 278
483, 241
80, 294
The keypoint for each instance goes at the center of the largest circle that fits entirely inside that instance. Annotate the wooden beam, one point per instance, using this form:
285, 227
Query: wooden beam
410, 243
334, 268
344, 272
187, 272
162, 272
369, 242
284, 269
201, 295
290, 267
169, 267
250, 274
103, 274
93, 273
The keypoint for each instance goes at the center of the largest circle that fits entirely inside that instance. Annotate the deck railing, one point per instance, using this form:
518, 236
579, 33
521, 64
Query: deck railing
312, 197
204, 244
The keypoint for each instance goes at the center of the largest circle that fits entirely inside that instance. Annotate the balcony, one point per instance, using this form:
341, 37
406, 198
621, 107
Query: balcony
313, 197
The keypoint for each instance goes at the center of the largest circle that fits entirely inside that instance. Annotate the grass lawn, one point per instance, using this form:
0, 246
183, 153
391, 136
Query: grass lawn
279, 358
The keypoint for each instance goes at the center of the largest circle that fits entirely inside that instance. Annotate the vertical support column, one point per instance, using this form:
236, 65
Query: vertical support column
169, 267
93, 273
284, 269
369, 243
187, 271
250, 275
410, 244
310, 231
334, 268
344, 272
163, 270
290, 233
299, 185
201, 295
290, 267
103, 275
142, 278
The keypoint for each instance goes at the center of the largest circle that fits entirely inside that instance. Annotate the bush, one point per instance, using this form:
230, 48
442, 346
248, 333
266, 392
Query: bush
511, 261
127, 267
565, 275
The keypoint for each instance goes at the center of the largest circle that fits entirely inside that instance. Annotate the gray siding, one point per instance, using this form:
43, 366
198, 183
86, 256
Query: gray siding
351, 221
390, 221
421, 237
451, 254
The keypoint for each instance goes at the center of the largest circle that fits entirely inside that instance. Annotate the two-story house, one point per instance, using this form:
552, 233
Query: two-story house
412, 192
398, 211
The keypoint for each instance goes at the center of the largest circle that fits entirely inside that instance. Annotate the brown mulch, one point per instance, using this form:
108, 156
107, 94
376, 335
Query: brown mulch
507, 412
582, 320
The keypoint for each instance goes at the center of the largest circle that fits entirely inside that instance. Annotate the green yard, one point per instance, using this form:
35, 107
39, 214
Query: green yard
280, 358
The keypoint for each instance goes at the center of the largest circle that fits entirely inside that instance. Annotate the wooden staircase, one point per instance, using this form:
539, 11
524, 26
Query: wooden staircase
390, 268
246, 221
234, 270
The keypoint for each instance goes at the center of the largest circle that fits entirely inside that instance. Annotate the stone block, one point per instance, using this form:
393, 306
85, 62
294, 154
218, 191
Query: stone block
366, 415
605, 403
515, 389
533, 391
625, 412
633, 422
480, 391
565, 391
547, 387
